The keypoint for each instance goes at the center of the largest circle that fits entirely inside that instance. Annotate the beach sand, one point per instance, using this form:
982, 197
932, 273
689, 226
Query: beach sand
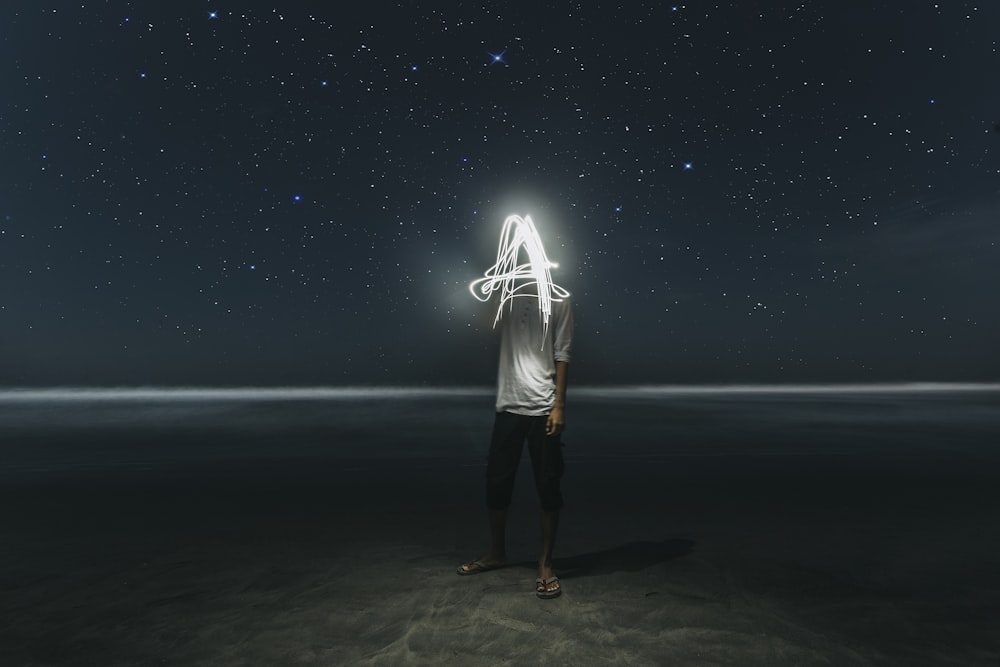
734, 532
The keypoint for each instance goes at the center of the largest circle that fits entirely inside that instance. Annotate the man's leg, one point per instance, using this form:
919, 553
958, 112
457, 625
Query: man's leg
547, 463
550, 525
498, 537
497, 555
506, 445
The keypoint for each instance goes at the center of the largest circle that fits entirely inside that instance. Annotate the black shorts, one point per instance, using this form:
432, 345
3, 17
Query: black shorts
509, 433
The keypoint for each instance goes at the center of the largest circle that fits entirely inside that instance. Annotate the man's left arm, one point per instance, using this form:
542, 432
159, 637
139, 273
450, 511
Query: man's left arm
561, 346
557, 418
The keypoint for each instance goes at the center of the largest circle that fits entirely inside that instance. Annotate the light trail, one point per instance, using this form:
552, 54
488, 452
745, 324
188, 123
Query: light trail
535, 275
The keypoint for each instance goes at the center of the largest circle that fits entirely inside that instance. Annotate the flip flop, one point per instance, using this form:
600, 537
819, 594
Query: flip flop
476, 567
542, 588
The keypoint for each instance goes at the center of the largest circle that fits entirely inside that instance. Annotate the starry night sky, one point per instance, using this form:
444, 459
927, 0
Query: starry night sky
252, 193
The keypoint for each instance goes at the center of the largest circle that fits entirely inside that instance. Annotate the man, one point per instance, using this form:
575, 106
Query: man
531, 405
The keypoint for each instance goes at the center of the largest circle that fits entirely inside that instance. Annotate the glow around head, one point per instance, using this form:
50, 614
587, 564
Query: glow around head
502, 277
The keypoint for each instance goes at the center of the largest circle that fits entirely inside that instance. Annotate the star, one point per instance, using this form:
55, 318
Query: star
688, 166
213, 15
498, 57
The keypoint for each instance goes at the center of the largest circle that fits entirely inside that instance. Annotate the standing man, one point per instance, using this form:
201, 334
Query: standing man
536, 326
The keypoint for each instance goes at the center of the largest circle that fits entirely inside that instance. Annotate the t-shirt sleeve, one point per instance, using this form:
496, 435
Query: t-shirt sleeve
562, 334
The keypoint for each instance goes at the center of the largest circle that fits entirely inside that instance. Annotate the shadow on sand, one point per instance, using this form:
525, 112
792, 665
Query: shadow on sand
630, 557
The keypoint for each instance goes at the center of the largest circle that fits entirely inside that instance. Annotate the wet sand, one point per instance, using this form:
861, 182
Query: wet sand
743, 531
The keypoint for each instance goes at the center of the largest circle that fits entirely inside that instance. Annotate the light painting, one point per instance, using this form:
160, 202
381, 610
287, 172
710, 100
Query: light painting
512, 279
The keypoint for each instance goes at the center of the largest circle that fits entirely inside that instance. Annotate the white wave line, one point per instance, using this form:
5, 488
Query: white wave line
653, 391
65, 394
247, 394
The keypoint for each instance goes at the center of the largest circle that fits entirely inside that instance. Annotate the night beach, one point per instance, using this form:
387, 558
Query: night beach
832, 526
285, 286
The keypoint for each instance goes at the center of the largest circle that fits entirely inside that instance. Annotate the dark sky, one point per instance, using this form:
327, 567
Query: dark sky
232, 193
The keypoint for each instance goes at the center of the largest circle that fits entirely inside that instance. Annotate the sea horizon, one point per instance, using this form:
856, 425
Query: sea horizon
362, 392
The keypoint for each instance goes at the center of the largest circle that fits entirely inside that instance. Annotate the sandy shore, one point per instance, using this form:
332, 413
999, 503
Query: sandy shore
695, 555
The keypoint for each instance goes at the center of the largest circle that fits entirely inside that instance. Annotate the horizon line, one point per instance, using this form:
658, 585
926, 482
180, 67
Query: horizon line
359, 392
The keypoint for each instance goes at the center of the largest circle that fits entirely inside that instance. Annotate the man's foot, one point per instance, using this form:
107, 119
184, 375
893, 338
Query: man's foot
479, 566
548, 588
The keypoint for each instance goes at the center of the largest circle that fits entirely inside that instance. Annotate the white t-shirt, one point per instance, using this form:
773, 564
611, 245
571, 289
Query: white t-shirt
526, 379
